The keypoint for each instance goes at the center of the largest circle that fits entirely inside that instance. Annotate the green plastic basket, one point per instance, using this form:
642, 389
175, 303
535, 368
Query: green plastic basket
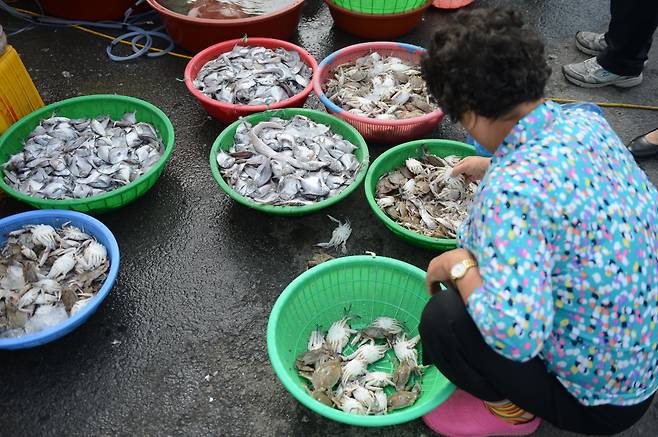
225, 140
115, 106
394, 158
370, 287
380, 6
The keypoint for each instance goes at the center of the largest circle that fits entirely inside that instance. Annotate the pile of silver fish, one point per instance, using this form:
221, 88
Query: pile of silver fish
424, 197
384, 88
47, 275
67, 158
288, 162
341, 367
254, 76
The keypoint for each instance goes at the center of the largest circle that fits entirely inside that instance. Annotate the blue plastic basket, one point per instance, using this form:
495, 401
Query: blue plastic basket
57, 218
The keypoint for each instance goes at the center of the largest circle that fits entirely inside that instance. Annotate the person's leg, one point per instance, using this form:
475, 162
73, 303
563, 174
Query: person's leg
629, 36
452, 342
622, 55
442, 348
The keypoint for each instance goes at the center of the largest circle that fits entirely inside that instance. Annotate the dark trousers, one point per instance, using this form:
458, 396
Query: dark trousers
629, 36
452, 342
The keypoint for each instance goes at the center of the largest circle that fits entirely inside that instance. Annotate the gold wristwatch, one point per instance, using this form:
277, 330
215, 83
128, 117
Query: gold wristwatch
459, 270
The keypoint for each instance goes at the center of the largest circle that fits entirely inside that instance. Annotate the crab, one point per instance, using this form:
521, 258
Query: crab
403, 398
365, 396
44, 235
62, 266
380, 404
369, 353
94, 255
405, 350
380, 328
372, 380
353, 369
351, 406
320, 396
403, 373
339, 335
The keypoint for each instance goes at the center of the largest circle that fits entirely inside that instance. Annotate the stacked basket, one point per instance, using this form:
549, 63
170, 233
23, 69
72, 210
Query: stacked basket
377, 19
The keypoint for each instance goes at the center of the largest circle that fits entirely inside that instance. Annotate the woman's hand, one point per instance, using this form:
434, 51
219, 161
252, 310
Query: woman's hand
439, 272
439, 269
472, 167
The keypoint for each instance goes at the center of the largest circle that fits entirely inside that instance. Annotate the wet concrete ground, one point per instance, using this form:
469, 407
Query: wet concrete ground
200, 274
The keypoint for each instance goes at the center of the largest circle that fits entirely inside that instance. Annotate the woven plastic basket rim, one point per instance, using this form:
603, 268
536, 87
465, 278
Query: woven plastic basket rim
425, 5
289, 210
46, 335
400, 416
231, 22
67, 203
410, 147
365, 48
224, 47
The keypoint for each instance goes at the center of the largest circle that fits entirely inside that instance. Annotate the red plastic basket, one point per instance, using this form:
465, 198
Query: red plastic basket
379, 131
227, 112
195, 34
376, 26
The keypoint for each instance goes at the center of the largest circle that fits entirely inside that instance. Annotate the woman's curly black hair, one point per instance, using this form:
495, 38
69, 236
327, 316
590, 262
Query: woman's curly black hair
486, 61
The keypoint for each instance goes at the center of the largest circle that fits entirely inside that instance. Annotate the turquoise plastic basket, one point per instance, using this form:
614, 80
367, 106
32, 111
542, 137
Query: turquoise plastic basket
369, 287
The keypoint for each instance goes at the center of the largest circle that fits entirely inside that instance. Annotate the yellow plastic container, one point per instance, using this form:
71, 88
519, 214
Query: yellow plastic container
18, 95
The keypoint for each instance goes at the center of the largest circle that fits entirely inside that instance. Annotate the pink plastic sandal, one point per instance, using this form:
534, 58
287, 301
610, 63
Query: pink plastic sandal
464, 415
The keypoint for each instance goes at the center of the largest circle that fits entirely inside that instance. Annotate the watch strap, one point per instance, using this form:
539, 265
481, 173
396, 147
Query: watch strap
468, 264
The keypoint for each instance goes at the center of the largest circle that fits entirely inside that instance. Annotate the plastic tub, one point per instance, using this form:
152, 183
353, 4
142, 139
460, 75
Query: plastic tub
228, 113
369, 287
94, 228
225, 140
87, 10
376, 26
380, 131
195, 34
91, 106
394, 158
379, 6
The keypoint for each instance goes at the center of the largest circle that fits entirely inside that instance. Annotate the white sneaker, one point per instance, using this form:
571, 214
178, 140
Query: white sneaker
590, 74
591, 43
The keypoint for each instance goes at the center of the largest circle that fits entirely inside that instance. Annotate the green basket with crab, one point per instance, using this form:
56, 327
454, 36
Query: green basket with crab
367, 287
395, 158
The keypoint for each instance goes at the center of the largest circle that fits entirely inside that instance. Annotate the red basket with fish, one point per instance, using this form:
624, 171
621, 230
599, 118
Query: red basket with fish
374, 129
197, 24
229, 112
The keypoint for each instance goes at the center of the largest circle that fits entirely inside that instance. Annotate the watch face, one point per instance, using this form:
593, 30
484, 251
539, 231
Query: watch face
458, 270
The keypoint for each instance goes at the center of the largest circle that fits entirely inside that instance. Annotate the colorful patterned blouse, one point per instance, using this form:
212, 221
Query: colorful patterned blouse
565, 230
